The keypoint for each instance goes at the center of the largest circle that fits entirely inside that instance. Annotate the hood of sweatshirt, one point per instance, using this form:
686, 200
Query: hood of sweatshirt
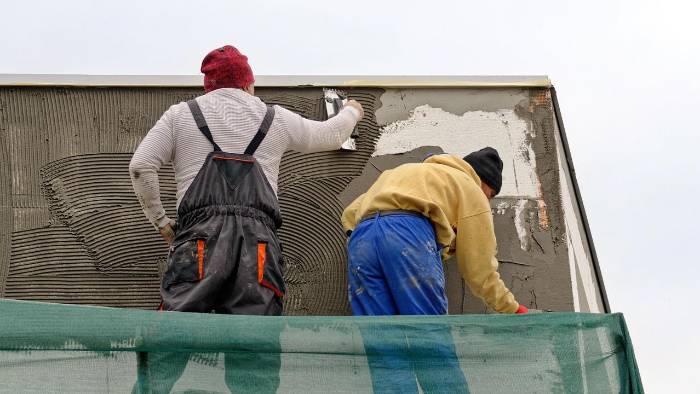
455, 162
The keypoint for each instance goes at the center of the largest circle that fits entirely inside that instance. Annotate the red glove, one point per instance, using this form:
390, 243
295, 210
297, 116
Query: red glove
521, 309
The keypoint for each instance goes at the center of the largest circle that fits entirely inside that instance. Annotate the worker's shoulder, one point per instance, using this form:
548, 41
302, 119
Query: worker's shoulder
408, 169
433, 173
282, 114
460, 182
177, 110
449, 171
425, 169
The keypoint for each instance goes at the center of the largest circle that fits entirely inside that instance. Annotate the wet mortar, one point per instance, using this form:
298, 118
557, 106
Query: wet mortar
73, 231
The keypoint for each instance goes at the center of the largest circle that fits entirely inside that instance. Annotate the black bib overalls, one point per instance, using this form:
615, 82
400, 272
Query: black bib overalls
225, 258
226, 255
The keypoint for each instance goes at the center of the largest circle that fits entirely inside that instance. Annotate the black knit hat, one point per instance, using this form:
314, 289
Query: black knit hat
488, 165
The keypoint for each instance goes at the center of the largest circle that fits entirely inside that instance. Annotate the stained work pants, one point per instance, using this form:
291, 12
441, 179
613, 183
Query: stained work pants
235, 270
395, 268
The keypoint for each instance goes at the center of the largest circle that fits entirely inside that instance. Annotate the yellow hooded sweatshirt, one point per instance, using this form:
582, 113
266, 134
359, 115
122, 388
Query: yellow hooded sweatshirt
447, 190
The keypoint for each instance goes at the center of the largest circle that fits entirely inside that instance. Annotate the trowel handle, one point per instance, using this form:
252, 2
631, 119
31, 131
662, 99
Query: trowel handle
337, 105
354, 133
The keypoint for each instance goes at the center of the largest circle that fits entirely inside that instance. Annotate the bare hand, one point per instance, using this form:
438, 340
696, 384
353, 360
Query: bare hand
167, 233
357, 106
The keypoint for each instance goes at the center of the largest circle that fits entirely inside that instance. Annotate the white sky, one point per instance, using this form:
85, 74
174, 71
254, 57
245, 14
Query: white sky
626, 73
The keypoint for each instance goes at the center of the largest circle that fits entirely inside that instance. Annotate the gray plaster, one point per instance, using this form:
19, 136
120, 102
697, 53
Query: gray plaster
398, 103
51, 264
540, 112
68, 132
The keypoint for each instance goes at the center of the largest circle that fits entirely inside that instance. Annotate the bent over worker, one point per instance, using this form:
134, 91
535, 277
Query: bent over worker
411, 217
226, 147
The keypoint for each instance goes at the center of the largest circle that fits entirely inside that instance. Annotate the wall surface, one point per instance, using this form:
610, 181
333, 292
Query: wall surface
530, 226
72, 230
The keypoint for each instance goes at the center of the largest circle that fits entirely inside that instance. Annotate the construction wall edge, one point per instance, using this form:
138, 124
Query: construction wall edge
579, 200
80, 80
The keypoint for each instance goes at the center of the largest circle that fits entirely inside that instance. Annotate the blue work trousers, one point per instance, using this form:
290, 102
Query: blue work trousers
395, 268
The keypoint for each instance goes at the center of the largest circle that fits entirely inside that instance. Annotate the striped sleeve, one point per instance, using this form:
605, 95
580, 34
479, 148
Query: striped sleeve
155, 150
308, 136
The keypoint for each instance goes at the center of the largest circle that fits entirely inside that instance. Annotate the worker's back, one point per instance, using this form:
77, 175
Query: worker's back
443, 188
233, 116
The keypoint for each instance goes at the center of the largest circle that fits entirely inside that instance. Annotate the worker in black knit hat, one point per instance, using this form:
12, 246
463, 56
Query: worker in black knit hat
442, 202
488, 166
401, 229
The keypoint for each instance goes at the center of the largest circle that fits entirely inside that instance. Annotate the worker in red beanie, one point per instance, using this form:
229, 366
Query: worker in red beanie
225, 256
226, 67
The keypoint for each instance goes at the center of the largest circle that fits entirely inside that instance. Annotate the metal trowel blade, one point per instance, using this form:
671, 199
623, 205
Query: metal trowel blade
335, 100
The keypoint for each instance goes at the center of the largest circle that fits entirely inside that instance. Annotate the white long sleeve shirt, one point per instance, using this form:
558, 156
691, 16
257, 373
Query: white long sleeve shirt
233, 117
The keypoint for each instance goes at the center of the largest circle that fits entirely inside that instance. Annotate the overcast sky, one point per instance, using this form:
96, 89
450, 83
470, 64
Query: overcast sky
626, 74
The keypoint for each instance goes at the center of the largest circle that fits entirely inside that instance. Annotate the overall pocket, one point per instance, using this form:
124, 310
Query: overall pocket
186, 262
270, 269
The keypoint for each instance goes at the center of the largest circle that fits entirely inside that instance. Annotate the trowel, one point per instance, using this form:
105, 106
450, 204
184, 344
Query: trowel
335, 100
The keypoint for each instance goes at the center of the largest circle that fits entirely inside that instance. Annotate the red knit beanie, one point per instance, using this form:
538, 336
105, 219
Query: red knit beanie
226, 67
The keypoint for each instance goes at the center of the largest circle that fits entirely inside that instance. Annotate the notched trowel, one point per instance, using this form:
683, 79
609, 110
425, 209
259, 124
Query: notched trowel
335, 100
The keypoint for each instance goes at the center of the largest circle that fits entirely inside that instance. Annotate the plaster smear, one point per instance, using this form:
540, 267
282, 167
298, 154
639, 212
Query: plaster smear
519, 222
461, 135
522, 217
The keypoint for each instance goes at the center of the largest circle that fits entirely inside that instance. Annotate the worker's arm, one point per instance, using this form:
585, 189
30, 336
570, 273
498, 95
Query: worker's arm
309, 136
155, 149
349, 217
476, 257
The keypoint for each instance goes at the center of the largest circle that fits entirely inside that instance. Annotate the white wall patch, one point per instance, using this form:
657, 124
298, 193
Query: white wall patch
460, 135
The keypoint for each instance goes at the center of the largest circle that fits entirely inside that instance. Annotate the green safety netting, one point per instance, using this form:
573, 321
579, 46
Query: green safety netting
47, 348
